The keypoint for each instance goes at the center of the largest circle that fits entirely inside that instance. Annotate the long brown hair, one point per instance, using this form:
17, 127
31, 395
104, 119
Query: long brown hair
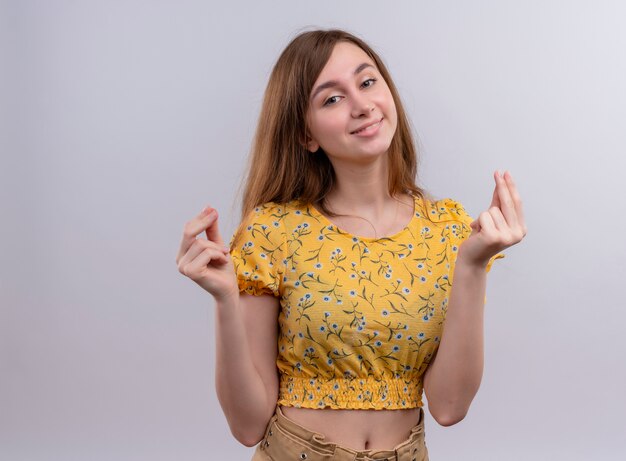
280, 168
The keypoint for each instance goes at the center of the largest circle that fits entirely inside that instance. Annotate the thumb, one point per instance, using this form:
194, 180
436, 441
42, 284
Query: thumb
475, 225
212, 231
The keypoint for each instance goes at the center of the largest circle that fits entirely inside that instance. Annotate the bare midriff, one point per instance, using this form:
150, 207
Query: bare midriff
357, 429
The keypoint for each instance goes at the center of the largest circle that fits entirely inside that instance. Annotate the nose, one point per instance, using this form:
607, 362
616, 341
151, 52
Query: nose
361, 107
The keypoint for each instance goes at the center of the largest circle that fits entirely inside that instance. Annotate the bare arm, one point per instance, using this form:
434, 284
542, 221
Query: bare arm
246, 374
246, 330
453, 377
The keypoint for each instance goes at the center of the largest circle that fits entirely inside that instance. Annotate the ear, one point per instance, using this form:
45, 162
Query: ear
310, 144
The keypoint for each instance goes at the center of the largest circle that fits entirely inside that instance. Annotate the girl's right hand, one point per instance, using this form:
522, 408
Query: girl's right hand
207, 261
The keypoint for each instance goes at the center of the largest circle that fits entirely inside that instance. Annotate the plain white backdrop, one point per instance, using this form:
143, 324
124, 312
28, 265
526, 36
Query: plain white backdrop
121, 120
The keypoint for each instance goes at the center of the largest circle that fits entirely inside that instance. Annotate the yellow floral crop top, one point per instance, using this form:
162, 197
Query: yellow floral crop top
360, 318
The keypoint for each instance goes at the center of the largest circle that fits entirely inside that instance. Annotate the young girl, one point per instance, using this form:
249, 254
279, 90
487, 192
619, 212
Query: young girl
335, 302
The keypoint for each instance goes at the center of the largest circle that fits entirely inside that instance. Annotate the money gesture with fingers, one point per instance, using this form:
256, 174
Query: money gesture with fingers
500, 227
207, 261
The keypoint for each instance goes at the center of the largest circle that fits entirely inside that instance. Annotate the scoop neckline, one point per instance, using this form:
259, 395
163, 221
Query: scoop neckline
341, 231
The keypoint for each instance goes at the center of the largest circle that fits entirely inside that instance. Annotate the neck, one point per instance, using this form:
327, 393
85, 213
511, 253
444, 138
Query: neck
362, 190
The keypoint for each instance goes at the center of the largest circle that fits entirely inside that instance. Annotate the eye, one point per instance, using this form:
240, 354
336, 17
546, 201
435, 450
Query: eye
369, 80
328, 101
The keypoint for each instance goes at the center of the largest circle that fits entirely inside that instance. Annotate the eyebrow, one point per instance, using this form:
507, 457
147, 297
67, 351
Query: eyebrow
332, 83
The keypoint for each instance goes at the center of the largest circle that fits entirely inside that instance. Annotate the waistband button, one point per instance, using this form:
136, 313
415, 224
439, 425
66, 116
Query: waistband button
303, 455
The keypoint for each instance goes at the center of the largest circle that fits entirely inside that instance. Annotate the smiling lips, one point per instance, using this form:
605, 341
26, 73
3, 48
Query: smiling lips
368, 128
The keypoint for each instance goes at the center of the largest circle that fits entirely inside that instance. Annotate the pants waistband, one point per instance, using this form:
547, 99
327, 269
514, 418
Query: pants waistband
281, 426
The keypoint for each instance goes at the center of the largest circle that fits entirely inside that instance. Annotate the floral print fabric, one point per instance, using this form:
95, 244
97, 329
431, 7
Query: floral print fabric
361, 318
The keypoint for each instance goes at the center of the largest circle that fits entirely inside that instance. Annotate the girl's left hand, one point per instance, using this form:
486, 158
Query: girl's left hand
500, 227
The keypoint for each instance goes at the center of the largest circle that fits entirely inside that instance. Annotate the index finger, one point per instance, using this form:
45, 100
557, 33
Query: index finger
194, 227
507, 206
516, 197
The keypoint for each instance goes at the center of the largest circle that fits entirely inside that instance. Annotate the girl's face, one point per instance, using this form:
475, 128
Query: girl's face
351, 114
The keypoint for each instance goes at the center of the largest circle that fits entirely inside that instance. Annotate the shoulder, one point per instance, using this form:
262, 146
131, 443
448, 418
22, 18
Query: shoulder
267, 211
444, 210
269, 215
263, 223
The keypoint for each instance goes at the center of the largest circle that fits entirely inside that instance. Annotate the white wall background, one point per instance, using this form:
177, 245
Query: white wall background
121, 120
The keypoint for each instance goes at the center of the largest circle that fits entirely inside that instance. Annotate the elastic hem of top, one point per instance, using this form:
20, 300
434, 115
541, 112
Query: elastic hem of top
351, 393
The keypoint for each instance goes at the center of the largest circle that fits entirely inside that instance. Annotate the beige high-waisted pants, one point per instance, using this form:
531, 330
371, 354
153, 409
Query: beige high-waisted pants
286, 440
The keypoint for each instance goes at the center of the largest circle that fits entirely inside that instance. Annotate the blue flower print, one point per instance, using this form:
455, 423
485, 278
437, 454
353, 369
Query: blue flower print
400, 282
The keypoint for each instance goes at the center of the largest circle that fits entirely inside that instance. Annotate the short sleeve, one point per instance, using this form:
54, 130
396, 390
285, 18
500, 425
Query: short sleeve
452, 210
257, 249
457, 220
